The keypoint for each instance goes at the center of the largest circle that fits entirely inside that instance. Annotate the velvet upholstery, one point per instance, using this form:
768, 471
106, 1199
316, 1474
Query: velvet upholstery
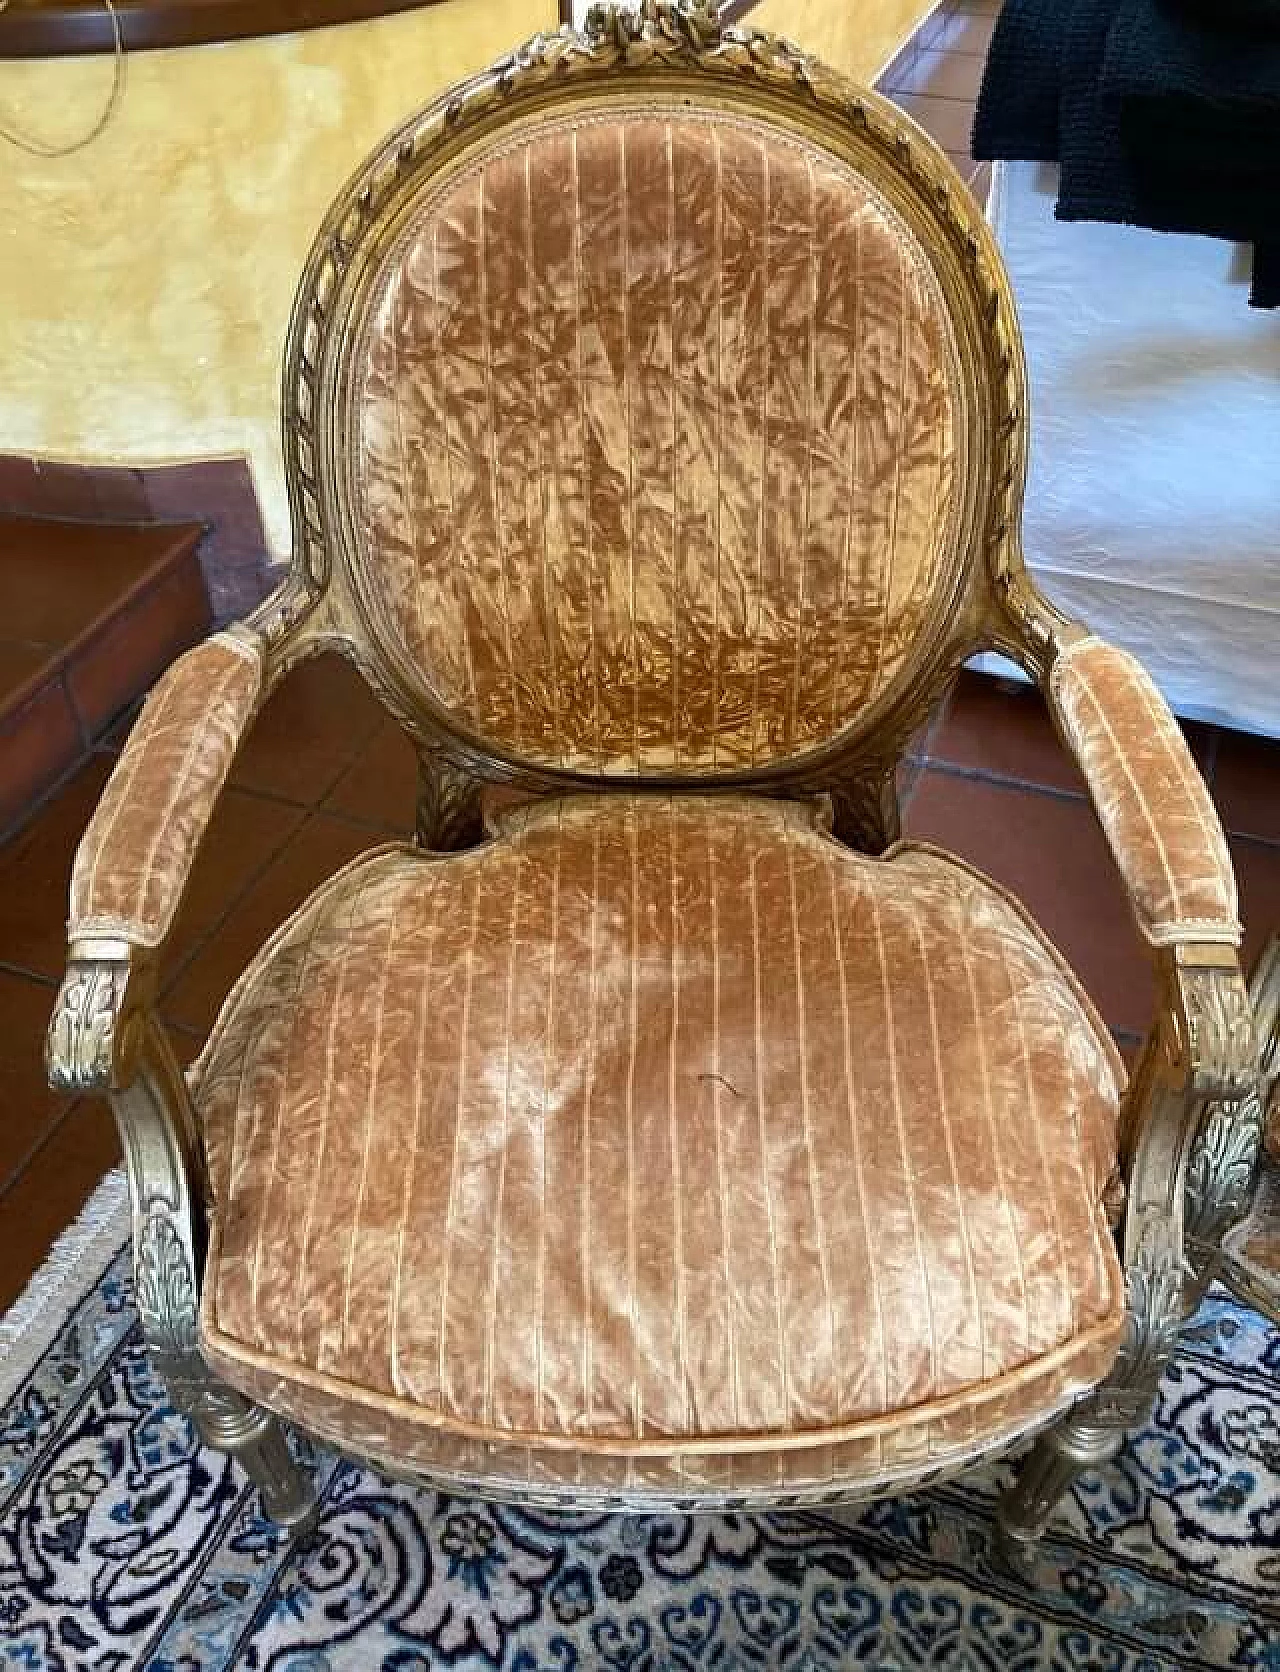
1152, 802
661, 1144
134, 859
657, 441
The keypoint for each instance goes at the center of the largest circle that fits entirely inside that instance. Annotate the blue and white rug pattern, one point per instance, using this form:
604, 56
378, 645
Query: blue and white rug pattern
123, 1545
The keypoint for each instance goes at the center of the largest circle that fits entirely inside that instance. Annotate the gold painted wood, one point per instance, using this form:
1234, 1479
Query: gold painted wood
106, 1037
1199, 1070
1236, 1201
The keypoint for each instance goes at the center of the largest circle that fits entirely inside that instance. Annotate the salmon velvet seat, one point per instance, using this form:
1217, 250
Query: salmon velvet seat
595, 1157
657, 1128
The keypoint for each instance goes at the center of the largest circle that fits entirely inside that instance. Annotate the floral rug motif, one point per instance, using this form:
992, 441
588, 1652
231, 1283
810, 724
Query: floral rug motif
124, 1544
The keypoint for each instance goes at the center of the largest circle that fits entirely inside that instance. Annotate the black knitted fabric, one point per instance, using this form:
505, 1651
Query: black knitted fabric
1017, 111
1163, 120
1265, 292
1251, 16
1199, 121
1096, 183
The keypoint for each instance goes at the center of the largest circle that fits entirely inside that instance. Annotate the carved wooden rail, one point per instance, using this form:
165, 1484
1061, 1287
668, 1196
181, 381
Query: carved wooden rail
63, 28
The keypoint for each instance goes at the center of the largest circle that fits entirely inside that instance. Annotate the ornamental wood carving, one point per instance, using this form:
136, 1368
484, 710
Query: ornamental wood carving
1218, 1018
81, 1044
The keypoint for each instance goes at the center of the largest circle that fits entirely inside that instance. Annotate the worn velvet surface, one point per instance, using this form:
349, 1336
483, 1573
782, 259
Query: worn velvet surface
657, 443
135, 856
1153, 804
661, 1129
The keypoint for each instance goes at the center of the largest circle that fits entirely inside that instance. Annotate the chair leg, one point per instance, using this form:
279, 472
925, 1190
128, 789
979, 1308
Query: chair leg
1059, 1456
167, 1309
1093, 1431
255, 1437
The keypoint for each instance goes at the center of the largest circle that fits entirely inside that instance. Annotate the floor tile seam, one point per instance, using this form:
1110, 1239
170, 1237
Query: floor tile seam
33, 1154
1000, 780
1251, 836
219, 922
50, 982
216, 925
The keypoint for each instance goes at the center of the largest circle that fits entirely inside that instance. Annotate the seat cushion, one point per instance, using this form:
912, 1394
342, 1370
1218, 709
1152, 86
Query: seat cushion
661, 1150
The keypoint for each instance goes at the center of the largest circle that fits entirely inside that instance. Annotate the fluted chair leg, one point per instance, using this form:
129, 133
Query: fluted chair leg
1093, 1431
1059, 1456
256, 1439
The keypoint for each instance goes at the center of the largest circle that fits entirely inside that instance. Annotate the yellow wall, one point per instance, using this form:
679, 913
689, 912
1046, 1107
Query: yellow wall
856, 36
145, 282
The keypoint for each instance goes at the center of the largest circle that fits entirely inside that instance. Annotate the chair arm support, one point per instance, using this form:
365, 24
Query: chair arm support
92, 1043
135, 857
1150, 799
1189, 1141
1213, 1019
1192, 1128
106, 1038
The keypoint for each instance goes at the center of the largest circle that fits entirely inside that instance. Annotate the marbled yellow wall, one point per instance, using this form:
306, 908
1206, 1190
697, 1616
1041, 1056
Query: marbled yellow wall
856, 36
145, 282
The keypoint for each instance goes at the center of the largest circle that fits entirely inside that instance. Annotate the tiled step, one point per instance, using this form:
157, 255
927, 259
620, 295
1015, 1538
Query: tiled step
90, 613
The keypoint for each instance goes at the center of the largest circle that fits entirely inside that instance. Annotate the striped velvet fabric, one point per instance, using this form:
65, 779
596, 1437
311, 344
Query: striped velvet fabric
1152, 802
658, 441
659, 1145
135, 856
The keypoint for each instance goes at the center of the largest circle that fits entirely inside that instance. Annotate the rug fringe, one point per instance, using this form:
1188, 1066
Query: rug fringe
75, 1263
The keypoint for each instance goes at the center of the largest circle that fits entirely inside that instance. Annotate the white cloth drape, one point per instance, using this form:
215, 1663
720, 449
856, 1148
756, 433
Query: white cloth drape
1153, 500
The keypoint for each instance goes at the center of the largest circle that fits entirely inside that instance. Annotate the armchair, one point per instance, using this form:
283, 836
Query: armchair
658, 1128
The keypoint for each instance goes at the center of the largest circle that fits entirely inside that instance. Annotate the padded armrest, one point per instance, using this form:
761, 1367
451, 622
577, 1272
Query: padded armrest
134, 859
1150, 798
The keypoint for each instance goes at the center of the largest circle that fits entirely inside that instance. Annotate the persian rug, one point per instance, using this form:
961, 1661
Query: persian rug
124, 1544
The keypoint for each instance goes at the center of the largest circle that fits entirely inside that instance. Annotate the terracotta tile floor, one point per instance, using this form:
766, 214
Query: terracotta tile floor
937, 76
325, 775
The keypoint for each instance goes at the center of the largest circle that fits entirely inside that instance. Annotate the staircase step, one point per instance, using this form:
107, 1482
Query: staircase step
90, 614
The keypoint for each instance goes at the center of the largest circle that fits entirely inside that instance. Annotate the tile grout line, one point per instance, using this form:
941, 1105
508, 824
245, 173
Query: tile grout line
51, 982
1000, 780
33, 1154
217, 923
310, 813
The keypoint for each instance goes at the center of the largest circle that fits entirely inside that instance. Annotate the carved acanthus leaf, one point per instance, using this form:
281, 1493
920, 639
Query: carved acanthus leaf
689, 23
166, 1289
448, 811
166, 1299
1154, 1283
1264, 995
81, 1046
1223, 1167
1218, 1021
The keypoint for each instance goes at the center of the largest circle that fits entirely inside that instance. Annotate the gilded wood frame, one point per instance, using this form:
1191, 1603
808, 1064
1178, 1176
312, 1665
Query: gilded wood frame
1193, 1113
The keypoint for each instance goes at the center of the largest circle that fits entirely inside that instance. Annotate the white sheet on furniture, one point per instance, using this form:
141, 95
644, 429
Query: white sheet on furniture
1153, 497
